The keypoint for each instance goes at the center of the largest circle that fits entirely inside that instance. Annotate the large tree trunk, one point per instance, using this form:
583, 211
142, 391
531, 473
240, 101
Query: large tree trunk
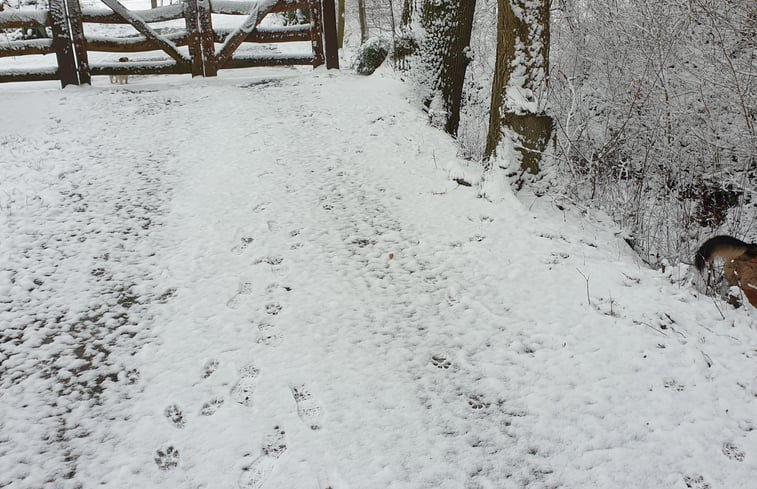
444, 53
522, 35
340, 24
363, 21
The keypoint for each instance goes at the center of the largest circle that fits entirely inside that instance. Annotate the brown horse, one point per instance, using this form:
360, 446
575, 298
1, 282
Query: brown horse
740, 262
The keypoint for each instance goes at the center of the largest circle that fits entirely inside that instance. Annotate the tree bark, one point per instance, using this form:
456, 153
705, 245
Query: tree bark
363, 22
340, 24
445, 53
522, 49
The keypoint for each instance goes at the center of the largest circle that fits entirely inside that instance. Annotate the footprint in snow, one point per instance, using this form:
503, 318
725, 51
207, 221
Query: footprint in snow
254, 475
696, 481
308, 409
245, 386
210, 407
270, 260
273, 308
477, 402
733, 452
269, 334
243, 243
440, 362
244, 289
209, 368
175, 416
167, 458
672, 384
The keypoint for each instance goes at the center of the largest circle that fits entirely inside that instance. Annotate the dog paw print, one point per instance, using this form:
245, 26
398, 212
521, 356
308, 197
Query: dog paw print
273, 308
175, 415
245, 386
696, 482
477, 402
132, 376
672, 384
733, 452
210, 407
167, 458
209, 368
440, 362
243, 242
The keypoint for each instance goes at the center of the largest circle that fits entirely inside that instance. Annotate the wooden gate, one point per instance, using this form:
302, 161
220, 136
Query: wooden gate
209, 49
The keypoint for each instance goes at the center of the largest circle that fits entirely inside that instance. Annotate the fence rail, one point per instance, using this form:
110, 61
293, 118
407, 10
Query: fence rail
71, 46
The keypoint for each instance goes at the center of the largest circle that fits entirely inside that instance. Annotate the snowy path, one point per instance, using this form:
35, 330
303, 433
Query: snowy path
273, 283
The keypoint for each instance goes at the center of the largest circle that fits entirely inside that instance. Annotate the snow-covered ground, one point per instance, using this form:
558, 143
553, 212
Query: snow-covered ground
272, 279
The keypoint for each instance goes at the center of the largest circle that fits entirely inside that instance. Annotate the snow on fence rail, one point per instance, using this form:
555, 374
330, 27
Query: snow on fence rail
71, 46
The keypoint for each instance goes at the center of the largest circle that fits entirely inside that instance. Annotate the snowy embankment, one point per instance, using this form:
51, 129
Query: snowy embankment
272, 280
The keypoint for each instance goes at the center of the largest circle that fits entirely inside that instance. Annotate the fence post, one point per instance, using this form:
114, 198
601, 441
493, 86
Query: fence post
193, 36
201, 37
79, 42
329, 34
64, 49
316, 31
207, 38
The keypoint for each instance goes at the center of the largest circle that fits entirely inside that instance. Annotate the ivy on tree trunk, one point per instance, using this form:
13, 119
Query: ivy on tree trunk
445, 53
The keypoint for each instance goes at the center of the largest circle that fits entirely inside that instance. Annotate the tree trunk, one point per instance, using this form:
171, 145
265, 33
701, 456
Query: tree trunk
444, 53
340, 25
363, 22
522, 35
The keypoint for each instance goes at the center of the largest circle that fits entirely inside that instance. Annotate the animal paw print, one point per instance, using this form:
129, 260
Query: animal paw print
273, 308
245, 387
733, 452
167, 458
209, 368
696, 482
243, 242
672, 384
132, 376
477, 402
175, 415
440, 362
309, 411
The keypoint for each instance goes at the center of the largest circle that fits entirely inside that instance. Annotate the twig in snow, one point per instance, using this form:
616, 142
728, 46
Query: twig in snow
588, 297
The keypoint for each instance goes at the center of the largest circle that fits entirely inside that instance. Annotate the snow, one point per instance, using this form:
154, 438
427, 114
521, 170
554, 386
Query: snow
273, 279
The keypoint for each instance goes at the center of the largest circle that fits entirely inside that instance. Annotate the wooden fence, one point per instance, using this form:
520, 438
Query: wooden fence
66, 19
